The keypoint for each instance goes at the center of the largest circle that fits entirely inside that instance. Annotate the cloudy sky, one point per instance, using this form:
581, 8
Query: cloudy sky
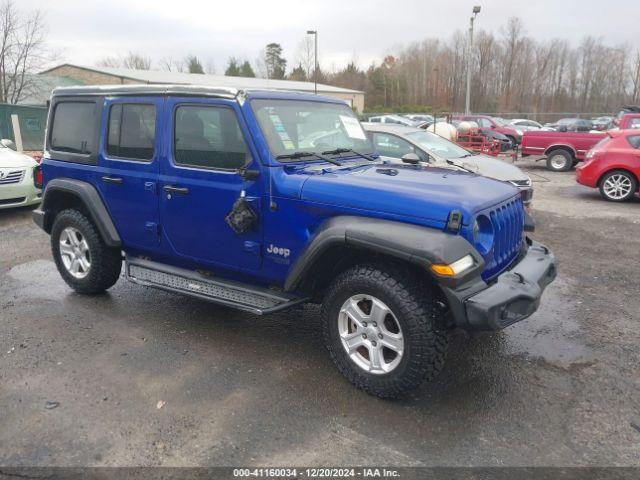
84, 31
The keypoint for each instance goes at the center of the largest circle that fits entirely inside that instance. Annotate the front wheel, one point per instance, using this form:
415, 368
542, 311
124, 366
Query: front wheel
618, 186
384, 332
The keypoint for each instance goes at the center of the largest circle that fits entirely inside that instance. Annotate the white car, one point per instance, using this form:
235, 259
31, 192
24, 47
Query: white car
17, 186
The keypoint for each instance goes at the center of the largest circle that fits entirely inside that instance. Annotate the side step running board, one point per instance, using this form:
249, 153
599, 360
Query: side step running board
252, 299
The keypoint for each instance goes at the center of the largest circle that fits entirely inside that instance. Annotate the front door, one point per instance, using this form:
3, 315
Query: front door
200, 182
129, 160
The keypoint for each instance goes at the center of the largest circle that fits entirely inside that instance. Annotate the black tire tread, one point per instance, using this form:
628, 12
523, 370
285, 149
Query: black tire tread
568, 155
422, 329
106, 262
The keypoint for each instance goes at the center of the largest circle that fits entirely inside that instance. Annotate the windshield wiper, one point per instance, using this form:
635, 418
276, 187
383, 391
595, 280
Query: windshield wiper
297, 155
339, 151
451, 162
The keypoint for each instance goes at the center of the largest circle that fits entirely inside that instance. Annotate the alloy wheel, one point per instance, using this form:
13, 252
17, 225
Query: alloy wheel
74, 252
371, 334
617, 186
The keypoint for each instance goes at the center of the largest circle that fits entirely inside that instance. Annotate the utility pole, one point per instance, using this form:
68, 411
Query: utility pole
315, 68
467, 104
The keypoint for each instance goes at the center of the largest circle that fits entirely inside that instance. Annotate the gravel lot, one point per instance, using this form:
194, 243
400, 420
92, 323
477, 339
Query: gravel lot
561, 388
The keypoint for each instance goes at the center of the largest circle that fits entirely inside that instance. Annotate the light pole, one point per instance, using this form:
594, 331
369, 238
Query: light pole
467, 103
315, 67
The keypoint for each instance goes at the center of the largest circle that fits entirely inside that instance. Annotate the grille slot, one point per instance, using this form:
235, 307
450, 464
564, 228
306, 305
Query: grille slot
508, 226
14, 176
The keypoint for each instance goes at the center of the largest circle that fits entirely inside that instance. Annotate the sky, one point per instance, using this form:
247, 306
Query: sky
85, 31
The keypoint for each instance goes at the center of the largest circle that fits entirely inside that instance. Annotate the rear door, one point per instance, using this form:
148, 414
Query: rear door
201, 181
129, 157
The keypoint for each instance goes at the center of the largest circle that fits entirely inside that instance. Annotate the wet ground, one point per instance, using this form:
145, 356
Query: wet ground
143, 377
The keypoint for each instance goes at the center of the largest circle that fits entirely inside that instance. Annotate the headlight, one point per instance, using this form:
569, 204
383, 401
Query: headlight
483, 234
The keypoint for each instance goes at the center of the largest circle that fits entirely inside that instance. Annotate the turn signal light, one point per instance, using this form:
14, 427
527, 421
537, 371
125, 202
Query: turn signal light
453, 269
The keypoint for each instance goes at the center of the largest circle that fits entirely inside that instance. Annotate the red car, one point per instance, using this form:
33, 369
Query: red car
613, 165
493, 124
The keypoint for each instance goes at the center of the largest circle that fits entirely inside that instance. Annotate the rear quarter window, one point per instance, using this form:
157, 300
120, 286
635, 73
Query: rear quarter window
634, 141
73, 131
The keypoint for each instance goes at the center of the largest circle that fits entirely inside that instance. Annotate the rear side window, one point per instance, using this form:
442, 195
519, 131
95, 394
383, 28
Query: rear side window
634, 141
209, 137
132, 131
73, 128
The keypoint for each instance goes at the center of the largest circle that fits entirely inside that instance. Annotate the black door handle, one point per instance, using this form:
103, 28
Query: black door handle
178, 190
115, 180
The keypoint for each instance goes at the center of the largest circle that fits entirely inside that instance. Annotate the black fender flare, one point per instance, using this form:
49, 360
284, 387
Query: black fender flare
90, 199
406, 242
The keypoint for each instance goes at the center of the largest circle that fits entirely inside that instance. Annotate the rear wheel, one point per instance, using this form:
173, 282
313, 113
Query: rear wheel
559, 161
383, 331
618, 186
84, 261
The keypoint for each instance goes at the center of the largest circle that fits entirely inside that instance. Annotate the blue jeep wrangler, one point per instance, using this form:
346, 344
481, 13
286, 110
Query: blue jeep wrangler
263, 200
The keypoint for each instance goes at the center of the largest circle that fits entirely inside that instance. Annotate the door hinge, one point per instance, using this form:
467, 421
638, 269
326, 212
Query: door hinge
151, 187
252, 247
152, 227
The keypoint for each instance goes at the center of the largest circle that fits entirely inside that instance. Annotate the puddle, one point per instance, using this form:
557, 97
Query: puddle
553, 333
38, 279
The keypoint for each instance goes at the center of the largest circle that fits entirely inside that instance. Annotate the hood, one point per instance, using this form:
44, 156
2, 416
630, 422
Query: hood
11, 159
490, 167
428, 193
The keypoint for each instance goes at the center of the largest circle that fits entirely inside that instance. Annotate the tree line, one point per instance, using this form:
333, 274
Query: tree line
510, 71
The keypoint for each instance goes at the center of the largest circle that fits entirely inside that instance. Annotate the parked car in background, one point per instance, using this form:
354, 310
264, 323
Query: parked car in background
570, 125
525, 124
625, 110
492, 124
613, 165
562, 150
19, 178
394, 119
414, 145
420, 117
602, 123
506, 143
628, 121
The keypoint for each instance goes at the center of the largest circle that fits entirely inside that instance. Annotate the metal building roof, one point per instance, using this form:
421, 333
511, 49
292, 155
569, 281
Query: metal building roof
179, 78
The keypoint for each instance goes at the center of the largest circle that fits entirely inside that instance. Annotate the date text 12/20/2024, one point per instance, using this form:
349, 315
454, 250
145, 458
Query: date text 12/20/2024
316, 472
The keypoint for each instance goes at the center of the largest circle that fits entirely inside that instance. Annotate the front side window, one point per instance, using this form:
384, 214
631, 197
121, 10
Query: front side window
209, 137
132, 131
392, 146
291, 126
484, 123
73, 128
437, 145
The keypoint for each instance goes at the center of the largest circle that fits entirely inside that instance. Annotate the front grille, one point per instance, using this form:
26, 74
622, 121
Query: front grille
9, 201
508, 226
14, 176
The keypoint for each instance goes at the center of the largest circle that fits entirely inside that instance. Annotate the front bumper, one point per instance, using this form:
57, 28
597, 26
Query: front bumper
512, 297
20, 194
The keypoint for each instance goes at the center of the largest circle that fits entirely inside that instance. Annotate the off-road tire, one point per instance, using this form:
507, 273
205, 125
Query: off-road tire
106, 262
419, 312
630, 177
568, 163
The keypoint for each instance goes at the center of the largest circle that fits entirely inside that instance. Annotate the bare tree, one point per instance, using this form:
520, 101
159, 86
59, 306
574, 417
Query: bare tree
170, 64
131, 61
22, 51
305, 56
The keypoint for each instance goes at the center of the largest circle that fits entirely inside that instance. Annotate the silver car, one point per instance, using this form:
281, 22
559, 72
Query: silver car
413, 145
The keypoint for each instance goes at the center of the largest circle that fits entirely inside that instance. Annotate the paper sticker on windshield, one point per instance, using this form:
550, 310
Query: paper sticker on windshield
353, 127
278, 126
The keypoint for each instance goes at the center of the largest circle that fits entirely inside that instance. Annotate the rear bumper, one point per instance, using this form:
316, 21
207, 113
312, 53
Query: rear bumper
585, 176
512, 297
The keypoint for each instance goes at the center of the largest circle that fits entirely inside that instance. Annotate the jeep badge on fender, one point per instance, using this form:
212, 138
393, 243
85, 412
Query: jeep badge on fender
263, 200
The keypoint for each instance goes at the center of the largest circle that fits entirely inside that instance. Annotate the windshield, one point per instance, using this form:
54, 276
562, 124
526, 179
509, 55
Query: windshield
300, 126
432, 143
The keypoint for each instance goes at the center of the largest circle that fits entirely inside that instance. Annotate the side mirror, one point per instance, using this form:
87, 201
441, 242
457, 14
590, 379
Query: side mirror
8, 143
411, 158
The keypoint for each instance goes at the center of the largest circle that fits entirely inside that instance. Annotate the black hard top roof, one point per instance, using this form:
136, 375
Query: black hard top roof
146, 89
